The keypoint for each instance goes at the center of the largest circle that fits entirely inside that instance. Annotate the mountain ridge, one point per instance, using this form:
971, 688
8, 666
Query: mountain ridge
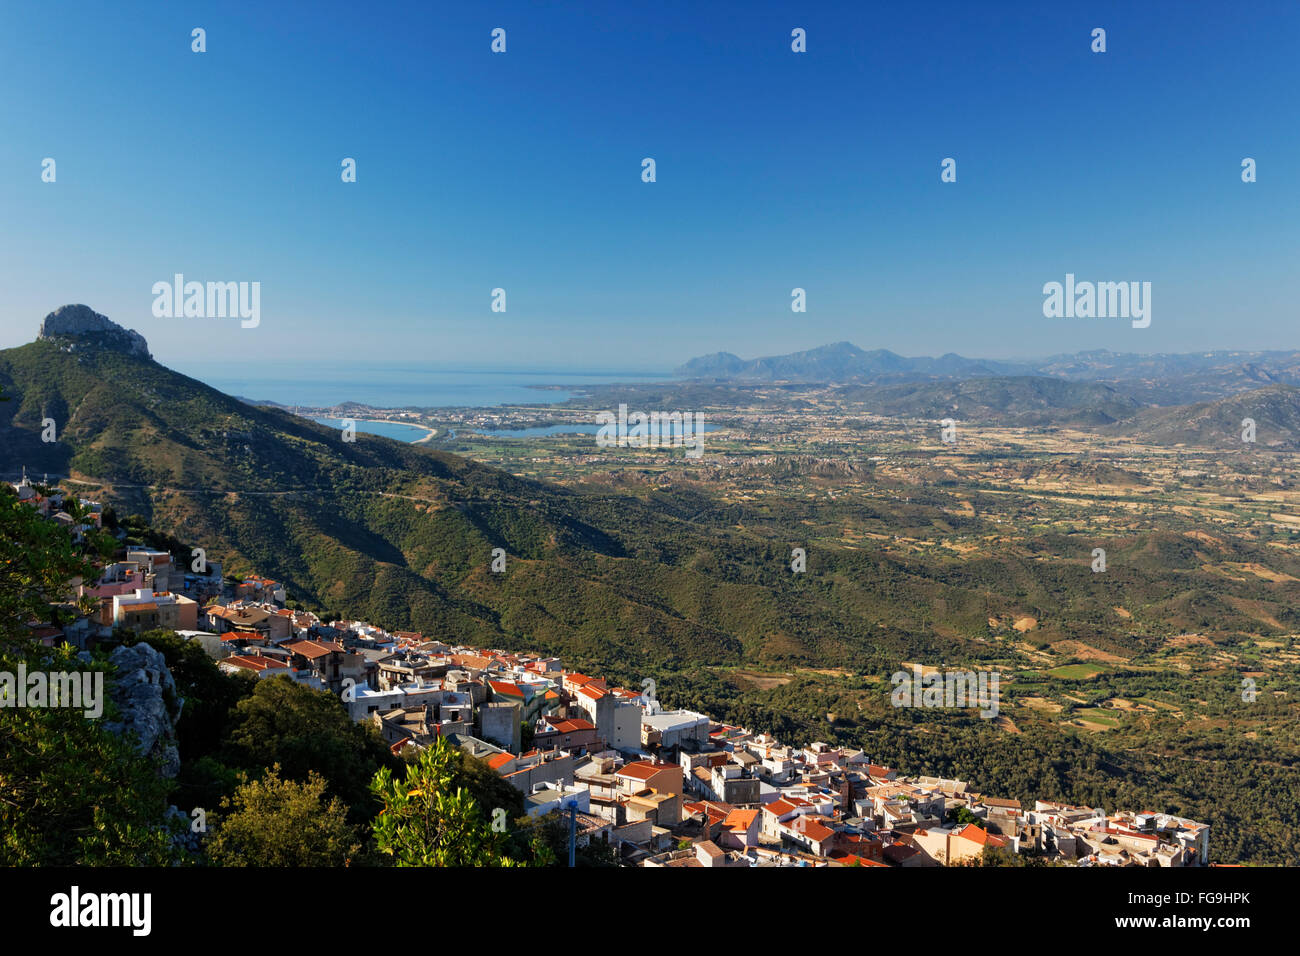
836, 361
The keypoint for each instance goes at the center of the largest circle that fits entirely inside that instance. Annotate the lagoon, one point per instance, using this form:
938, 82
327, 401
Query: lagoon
397, 430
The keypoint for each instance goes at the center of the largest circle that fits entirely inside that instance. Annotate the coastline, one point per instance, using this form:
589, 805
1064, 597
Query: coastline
429, 432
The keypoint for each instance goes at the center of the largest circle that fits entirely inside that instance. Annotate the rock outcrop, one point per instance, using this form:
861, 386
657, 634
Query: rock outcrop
145, 695
84, 323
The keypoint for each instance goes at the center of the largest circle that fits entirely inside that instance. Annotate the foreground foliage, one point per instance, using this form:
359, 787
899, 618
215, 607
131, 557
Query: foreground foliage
429, 818
274, 822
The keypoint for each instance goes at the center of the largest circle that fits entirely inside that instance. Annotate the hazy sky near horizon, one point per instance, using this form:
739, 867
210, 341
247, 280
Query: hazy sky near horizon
775, 170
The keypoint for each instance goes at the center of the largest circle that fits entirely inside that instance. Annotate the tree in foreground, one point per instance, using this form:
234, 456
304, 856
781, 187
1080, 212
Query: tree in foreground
274, 822
431, 819
305, 730
71, 792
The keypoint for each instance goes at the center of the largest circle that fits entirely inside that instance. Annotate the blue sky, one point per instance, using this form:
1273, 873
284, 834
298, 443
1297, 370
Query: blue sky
775, 170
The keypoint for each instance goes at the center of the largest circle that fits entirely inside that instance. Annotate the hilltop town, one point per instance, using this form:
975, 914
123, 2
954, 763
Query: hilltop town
658, 787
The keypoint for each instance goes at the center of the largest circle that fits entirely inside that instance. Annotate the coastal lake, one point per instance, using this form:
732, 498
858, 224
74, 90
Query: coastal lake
406, 433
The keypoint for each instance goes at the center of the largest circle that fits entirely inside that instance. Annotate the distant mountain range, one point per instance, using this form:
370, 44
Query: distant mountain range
1197, 399
1161, 378
840, 362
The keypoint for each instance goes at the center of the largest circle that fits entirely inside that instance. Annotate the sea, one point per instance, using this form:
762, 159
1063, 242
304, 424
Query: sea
402, 385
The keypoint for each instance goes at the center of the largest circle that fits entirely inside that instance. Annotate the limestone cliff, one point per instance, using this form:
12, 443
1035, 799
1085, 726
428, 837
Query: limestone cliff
83, 324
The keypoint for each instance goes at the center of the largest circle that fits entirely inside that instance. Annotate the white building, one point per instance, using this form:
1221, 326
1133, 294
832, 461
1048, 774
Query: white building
676, 727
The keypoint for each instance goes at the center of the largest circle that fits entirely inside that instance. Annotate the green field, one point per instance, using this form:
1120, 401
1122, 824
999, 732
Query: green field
1077, 671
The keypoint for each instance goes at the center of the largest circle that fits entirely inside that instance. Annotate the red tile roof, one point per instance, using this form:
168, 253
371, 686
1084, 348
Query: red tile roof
715, 811
470, 660
314, 649
980, 836
810, 827
571, 725
644, 769
785, 805
738, 821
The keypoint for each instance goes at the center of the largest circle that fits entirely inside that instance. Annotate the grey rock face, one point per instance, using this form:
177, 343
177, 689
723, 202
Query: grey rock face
81, 321
145, 694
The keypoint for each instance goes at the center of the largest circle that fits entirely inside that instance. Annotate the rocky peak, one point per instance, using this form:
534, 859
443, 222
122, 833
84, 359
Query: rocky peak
84, 323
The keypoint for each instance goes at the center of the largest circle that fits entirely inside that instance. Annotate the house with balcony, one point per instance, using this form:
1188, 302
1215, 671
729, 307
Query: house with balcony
147, 610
